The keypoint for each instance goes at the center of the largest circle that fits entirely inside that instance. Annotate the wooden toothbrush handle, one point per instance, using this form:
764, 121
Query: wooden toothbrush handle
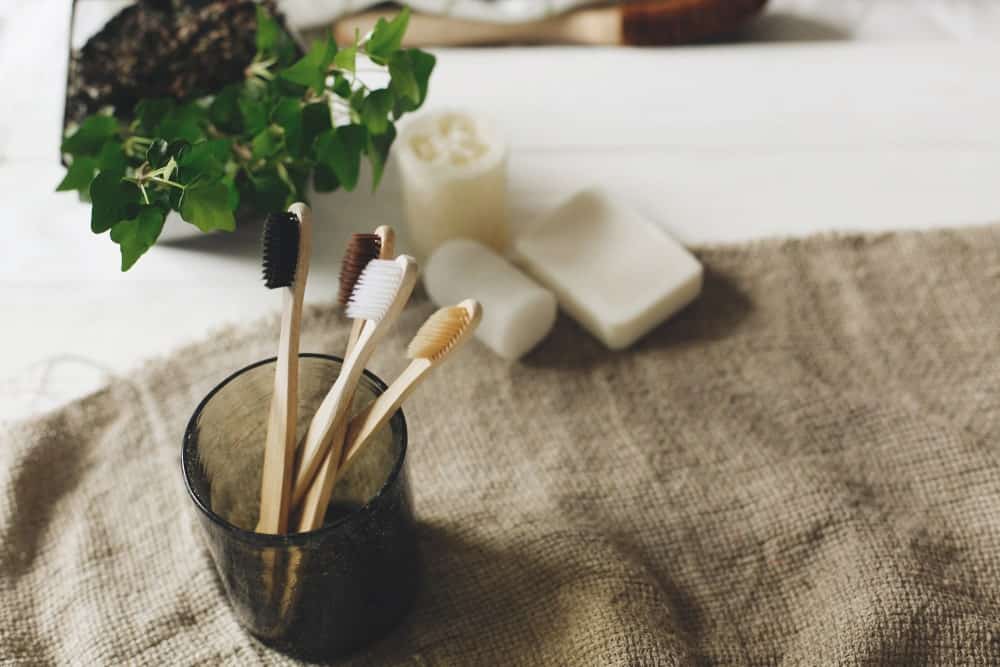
583, 27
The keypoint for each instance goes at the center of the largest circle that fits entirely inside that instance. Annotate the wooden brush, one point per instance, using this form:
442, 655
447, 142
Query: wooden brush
637, 23
287, 245
361, 249
443, 333
381, 292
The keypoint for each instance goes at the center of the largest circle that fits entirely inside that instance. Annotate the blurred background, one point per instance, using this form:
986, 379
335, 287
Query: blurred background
743, 120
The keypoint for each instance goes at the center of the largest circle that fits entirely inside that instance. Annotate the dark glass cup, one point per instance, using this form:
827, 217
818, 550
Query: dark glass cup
327, 592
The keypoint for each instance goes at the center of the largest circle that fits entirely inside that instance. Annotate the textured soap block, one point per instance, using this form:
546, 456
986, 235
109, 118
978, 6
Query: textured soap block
517, 312
612, 270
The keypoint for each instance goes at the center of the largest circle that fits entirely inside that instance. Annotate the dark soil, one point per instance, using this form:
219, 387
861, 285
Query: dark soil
162, 48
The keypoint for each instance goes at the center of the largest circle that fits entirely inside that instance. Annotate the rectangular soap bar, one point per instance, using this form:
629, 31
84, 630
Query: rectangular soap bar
615, 272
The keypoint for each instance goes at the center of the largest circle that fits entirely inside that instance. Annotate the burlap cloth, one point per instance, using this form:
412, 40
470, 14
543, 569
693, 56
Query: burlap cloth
800, 469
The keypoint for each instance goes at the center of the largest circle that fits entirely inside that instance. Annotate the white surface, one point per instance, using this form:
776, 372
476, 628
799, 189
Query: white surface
517, 312
612, 271
716, 144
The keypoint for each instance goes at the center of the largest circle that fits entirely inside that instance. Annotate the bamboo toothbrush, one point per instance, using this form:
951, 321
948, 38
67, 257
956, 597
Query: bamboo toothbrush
636, 23
443, 333
379, 296
286, 248
361, 249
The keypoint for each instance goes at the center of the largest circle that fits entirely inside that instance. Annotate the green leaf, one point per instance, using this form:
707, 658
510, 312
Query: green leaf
79, 175
150, 112
113, 200
311, 70
253, 111
182, 122
341, 86
315, 121
266, 191
377, 148
411, 78
91, 135
376, 109
156, 154
112, 158
339, 150
266, 143
345, 58
134, 237
268, 31
224, 111
206, 206
204, 161
324, 180
387, 37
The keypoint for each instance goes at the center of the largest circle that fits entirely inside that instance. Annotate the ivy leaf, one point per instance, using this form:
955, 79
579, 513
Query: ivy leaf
79, 176
266, 192
253, 111
150, 112
311, 70
206, 206
203, 161
315, 121
268, 31
265, 144
345, 58
134, 237
324, 180
182, 122
91, 135
403, 82
341, 86
113, 200
387, 37
376, 109
377, 148
112, 158
224, 112
414, 68
339, 150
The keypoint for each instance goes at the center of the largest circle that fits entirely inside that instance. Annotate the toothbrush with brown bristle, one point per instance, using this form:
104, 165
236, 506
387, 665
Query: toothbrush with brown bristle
379, 296
443, 333
287, 245
361, 249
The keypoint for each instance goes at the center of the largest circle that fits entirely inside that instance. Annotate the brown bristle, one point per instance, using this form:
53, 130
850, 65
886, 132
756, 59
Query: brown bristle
361, 249
439, 333
661, 22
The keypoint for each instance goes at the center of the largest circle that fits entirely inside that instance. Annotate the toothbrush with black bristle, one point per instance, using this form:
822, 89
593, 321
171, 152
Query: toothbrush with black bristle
287, 245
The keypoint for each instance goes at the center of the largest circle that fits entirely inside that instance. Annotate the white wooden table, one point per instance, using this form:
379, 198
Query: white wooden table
717, 144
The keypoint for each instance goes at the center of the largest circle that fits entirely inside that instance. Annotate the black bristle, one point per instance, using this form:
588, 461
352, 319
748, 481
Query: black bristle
280, 249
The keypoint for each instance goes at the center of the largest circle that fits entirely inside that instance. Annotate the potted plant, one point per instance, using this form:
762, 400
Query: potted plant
292, 120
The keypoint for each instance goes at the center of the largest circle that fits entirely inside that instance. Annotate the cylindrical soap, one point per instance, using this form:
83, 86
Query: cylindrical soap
517, 312
453, 170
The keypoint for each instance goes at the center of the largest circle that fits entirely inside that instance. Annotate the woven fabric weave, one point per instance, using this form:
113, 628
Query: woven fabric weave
801, 468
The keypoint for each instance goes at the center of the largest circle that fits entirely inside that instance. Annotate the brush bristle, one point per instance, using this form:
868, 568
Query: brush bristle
280, 249
375, 289
661, 23
439, 333
361, 249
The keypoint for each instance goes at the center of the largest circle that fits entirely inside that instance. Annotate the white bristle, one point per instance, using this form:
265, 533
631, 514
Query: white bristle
375, 290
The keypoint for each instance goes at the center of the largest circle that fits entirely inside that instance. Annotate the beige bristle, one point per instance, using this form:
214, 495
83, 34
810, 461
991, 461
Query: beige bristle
439, 333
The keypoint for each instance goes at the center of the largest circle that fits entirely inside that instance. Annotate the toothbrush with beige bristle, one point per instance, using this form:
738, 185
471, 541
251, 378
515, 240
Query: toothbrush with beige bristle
378, 298
286, 248
436, 340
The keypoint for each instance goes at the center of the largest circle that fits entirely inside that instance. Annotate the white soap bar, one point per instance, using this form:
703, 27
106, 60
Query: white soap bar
612, 270
517, 312
453, 169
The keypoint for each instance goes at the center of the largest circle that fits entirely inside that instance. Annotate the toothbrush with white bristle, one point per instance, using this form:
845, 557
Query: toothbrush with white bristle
443, 333
379, 296
287, 245
361, 249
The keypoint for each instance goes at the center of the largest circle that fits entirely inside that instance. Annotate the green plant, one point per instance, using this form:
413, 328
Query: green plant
256, 143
